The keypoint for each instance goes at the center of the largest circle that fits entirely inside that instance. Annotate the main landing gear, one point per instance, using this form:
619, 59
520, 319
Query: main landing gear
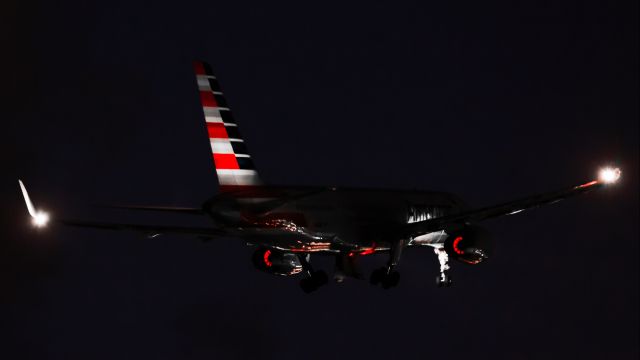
387, 276
314, 279
444, 279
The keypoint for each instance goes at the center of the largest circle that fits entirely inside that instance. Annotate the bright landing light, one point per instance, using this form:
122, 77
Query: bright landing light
40, 219
609, 175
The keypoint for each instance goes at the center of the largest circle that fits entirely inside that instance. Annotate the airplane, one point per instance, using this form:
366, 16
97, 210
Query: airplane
286, 224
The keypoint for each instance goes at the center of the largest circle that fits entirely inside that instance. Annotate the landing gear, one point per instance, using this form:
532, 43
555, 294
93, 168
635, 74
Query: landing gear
383, 277
391, 280
314, 281
387, 276
444, 279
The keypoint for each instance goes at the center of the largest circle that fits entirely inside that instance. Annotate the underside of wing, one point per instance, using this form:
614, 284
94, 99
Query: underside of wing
151, 230
173, 209
507, 208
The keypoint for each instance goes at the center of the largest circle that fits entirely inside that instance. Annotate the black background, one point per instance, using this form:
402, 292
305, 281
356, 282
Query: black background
490, 101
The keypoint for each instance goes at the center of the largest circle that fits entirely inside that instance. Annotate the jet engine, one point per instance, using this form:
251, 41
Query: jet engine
471, 244
276, 262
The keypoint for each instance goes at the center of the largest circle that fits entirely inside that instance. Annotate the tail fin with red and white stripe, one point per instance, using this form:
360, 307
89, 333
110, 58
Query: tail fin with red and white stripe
230, 156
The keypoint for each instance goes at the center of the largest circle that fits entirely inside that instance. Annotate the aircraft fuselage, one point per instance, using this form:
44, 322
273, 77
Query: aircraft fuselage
326, 219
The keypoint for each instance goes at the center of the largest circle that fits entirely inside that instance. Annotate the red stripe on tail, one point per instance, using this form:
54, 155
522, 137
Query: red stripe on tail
199, 68
207, 99
217, 131
225, 161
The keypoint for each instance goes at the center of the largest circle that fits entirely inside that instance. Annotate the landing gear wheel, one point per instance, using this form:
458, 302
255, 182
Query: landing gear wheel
443, 280
391, 280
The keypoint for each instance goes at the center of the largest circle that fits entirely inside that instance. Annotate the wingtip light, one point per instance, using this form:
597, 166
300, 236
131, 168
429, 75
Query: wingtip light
41, 219
609, 175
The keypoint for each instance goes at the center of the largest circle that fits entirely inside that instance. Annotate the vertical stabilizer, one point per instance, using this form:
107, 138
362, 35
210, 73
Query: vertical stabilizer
231, 159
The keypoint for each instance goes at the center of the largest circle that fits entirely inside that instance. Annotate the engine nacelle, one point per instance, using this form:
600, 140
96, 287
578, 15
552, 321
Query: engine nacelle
471, 244
276, 262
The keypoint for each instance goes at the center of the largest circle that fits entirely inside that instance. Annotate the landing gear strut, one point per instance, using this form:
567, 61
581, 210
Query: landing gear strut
384, 277
387, 276
314, 279
444, 279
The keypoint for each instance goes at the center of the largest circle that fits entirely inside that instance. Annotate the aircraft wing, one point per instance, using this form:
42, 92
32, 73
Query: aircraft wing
41, 218
151, 230
175, 209
509, 208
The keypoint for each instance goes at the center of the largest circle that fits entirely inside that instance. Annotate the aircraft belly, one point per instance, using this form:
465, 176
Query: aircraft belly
362, 218
298, 241
346, 220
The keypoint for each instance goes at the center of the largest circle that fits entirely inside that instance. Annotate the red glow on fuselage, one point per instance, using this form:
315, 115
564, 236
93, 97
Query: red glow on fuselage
367, 251
266, 258
363, 251
455, 245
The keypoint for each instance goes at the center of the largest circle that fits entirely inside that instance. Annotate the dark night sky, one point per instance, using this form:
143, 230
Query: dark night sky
489, 101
